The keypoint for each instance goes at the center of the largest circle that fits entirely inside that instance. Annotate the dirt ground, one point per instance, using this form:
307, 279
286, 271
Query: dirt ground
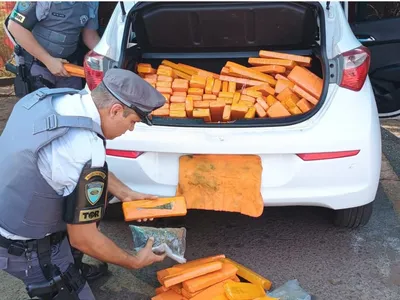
7, 101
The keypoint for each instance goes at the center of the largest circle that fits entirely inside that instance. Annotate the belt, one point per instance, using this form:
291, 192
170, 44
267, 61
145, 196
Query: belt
19, 247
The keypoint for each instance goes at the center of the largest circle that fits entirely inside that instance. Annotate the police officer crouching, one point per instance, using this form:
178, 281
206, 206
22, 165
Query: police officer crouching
55, 181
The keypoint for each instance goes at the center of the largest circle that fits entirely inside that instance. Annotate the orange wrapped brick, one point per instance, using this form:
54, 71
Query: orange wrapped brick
202, 113
225, 86
164, 78
209, 85
303, 60
247, 98
283, 84
196, 97
209, 97
261, 112
164, 112
177, 99
189, 106
226, 116
290, 101
225, 95
151, 76
177, 106
302, 93
195, 91
307, 81
270, 69
262, 103
217, 87
304, 105
166, 105
201, 282
198, 82
166, 96
166, 71
177, 113
225, 71
238, 111
168, 295
150, 80
252, 74
146, 209
279, 76
161, 289
201, 104
242, 81
200, 72
252, 93
265, 89
251, 113
180, 85
246, 103
179, 94
163, 84
145, 69
164, 90
277, 110
295, 110
271, 100
217, 110
236, 97
255, 61
287, 92
178, 67
182, 75
227, 101
231, 86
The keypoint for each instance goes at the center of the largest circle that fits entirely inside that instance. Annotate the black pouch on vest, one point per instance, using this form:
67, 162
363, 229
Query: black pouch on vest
87, 203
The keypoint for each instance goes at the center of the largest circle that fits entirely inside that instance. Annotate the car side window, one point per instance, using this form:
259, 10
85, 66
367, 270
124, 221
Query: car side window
374, 11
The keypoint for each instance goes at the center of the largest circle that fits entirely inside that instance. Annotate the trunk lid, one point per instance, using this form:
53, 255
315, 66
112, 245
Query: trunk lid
224, 26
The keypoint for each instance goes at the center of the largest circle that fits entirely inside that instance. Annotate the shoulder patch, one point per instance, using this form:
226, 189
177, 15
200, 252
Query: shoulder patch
93, 191
24, 5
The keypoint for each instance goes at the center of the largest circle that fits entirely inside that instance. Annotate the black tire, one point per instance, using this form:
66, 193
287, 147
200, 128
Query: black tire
353, 217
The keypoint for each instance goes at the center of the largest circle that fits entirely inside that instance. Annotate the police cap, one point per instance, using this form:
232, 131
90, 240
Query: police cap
134, 92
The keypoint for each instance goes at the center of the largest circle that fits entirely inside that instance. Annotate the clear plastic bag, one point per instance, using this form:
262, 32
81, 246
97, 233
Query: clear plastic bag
291, 290
169, 240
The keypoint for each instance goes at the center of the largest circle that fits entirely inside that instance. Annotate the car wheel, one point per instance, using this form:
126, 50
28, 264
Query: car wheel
353, 217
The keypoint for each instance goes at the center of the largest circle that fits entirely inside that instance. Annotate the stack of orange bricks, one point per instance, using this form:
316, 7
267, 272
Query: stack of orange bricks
206, 278
275, 85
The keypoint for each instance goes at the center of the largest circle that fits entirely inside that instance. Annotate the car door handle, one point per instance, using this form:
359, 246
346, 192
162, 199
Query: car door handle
363, 39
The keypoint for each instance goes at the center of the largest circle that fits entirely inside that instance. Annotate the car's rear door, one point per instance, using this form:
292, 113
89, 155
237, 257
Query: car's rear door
377, 26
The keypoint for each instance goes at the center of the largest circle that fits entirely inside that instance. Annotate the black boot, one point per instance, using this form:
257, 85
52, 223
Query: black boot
90, 272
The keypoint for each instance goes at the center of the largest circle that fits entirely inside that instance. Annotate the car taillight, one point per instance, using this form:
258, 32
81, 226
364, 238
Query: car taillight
93, 66
355, 68
123, 153
327, 155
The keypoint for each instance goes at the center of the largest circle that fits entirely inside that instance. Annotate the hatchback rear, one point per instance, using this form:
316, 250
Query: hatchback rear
328, 156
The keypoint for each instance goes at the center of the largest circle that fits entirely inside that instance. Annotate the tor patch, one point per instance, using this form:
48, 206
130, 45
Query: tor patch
93, 191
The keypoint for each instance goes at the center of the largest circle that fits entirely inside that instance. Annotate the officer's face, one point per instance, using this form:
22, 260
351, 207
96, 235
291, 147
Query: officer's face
116, 123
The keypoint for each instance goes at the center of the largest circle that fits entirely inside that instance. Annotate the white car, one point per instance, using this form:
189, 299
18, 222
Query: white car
329, 157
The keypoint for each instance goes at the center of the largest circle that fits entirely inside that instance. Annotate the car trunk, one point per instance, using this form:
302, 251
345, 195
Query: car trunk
207, 35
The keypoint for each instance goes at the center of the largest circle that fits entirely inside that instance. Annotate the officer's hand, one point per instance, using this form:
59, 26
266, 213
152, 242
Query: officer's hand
147, 257
56, 67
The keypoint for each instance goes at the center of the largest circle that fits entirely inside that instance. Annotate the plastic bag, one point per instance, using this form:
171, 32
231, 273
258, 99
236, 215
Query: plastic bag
291, 290
169, 240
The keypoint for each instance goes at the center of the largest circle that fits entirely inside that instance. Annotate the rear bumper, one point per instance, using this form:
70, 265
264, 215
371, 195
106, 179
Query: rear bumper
287, 180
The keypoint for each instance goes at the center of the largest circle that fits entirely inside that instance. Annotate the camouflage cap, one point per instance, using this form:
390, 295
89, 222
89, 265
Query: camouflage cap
134, 92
